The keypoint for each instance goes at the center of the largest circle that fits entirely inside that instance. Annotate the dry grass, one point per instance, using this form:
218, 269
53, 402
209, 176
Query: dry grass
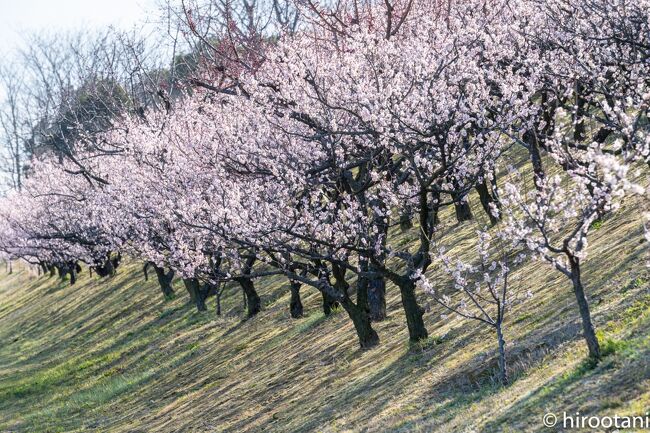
111, 355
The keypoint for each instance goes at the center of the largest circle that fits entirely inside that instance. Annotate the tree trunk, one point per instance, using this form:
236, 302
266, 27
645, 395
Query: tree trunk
377, 298
503, 370
462, 207
329, 304
253, 302
73, 273
583, 306
486, 200
189, 286
361, 320
295, 306
165, 281
200, 301
218, 299
376, 286
110, 269
414, 313
196, 296
531, 140
405, 219
434, 207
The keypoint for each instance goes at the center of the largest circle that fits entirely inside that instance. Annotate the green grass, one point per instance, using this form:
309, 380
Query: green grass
114, 356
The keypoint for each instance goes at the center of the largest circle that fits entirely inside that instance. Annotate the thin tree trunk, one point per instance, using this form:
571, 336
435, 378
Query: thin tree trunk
218, 299
583, 306
503, 370
295, 306
73, 273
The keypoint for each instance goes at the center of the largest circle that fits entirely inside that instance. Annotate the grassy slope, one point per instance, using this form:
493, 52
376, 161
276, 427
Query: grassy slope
110, 355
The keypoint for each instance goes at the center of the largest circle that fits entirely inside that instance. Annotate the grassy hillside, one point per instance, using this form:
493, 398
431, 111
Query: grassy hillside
112, 356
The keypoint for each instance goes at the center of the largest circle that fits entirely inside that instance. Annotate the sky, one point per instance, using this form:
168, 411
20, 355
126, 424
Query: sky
20, 17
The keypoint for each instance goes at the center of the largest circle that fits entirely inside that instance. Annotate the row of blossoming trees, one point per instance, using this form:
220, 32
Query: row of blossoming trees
301, 156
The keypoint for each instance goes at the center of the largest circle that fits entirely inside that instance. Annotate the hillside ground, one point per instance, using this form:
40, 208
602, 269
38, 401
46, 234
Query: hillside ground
111, 355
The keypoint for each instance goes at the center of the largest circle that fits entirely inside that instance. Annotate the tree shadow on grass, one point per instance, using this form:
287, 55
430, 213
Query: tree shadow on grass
583, 389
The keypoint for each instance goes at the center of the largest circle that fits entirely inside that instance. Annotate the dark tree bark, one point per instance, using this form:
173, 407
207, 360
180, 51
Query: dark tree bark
585, 314
329, 304
253, 302
295, 305
536, 138
371, 291
432, 218
110, 267
413, 311
72, 269
377, 298
115, 261
197, 296
358, 312
368, 338
418, 261
462, 207
376, 285
218, 298
486, 200
532, 141
107, 268
164, 279
406, 219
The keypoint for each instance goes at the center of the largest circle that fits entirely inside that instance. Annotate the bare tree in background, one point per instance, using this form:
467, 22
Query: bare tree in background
63, 91
13, 127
